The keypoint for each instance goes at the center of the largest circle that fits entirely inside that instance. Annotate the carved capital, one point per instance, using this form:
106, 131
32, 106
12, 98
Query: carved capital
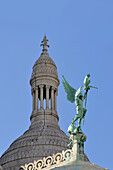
41, 86
53, 88
47, 87
36, 88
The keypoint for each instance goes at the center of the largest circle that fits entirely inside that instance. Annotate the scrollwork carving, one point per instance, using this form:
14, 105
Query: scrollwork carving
49, 161
22, 168
58, 158
67, 154
38, 164
30, 166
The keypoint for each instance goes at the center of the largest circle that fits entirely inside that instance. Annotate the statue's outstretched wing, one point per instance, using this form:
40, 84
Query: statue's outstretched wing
69, 90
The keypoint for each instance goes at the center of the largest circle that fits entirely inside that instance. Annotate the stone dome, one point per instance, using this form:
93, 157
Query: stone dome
44, 66
44, 136
34, 144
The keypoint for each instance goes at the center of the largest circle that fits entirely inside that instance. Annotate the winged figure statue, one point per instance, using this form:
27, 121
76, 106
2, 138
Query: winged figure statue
77, 97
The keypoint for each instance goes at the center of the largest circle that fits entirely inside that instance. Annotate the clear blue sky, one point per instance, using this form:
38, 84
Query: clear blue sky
81, 42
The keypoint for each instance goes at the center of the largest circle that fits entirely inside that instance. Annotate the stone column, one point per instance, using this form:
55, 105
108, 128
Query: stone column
56, 101
47, 97
36, 98
33, 99
41, 97
52, 98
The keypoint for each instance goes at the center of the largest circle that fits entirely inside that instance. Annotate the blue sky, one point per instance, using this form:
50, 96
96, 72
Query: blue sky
80, 36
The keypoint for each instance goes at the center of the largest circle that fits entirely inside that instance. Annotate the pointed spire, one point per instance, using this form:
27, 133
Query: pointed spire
44, 44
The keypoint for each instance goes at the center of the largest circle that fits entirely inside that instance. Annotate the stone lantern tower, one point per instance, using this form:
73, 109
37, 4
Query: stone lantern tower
44, 87
44, 136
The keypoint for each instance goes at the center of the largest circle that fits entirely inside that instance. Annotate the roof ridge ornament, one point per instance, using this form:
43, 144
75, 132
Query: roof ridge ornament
44, 44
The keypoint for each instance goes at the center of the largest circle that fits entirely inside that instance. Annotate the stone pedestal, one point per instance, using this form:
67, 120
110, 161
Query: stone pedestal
78, 147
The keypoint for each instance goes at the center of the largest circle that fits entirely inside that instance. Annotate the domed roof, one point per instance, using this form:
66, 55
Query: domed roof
34, 144
45, 58
44, 66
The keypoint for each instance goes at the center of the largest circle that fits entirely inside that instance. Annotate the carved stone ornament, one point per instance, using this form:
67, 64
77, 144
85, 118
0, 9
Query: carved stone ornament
49, 161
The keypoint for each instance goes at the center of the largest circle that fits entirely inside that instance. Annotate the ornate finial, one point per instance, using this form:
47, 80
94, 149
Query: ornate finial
44, 44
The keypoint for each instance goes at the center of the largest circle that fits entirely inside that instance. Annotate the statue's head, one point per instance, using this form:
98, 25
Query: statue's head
88, 75
80, 96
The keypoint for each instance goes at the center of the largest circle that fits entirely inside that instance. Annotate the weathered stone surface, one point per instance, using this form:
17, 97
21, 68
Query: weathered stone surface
79, 165
44, 136
73, 159
34, 144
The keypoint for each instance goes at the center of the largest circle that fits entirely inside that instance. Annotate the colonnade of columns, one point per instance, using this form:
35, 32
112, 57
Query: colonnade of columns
38, 97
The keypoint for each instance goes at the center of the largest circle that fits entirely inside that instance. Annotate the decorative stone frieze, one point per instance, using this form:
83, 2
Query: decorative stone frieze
48, 162
70, 159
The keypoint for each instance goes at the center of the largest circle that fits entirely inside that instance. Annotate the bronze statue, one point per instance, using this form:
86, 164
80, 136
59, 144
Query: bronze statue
78, 98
